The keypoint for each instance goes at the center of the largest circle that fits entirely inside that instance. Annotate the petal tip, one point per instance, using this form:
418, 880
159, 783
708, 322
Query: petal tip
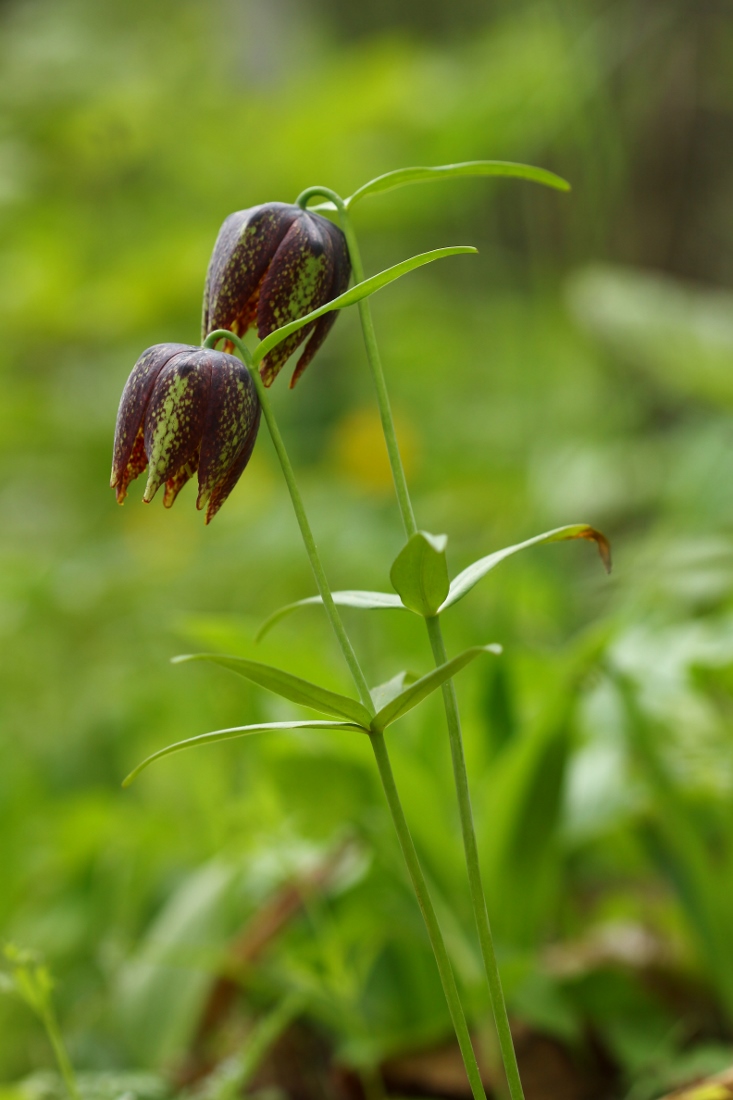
151, 488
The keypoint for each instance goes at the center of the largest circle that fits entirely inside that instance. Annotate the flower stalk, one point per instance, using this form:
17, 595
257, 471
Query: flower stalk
437, 644
285, 270
379, 746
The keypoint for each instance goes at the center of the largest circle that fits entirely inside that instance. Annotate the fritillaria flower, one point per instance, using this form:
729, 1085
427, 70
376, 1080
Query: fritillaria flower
185, 409
272, 264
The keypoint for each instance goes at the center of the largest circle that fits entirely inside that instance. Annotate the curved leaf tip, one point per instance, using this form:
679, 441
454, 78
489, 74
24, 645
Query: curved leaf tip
604, 546
240, 731
365, 601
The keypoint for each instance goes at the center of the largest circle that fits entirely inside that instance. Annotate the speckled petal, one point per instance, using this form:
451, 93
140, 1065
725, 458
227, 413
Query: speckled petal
298, 280
224, 487
174, 484
339, 284
246, 244
233, 411
174, 421
129, 459
136, 463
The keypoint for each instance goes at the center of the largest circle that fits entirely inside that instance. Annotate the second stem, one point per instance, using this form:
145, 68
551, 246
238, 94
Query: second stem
450, 702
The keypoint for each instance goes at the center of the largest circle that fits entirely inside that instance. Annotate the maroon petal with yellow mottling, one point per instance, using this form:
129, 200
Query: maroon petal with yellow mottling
129, 458
298, 280
339, 284
224, 487
136, 463
233, 410
246, 244
175, 417
174, 484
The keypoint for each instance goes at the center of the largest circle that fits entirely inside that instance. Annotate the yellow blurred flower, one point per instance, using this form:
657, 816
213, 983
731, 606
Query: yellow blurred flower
360, 454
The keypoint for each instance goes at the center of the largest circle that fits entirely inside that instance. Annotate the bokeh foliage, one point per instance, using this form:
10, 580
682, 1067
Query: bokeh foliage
569, 373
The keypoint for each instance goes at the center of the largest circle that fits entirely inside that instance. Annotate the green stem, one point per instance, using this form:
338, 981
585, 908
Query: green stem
435, 633
378, 743
470, 847
426, 907
62, 1058
375, 362
305, 529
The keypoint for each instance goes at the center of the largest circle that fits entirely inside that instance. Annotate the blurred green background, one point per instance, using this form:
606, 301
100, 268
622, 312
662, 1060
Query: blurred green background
579, 369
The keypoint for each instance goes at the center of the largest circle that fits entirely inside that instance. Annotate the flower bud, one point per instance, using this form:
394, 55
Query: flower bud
185, 409
272, 264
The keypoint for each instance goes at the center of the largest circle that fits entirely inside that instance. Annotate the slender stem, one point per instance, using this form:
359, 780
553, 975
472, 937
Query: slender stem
431, 921
450, 702
470, 847
300, 514
62, 1058
378, 743
375, 362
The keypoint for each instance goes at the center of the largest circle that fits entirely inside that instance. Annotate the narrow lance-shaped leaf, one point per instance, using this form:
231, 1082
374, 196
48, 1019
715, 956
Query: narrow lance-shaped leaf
366, 601
390, 689
290, 687
361, 290
426, 685
402, 177
470, 576
238, 731
420, 573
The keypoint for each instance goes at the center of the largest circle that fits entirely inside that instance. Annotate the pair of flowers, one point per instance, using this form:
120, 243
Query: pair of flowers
186, 409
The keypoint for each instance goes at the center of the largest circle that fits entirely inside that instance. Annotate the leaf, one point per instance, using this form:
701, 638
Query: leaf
290, 687
698, 875
426, 685
361, 290
470, 576
526, 788
368, 601
239, 731
402, 177
420, 573
390, 689
499, 708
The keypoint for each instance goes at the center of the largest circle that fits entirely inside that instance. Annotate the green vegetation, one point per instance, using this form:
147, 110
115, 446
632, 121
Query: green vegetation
569, 371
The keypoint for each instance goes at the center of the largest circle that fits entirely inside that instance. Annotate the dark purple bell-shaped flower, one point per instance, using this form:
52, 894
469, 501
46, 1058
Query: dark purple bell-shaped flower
270, 265
185, 409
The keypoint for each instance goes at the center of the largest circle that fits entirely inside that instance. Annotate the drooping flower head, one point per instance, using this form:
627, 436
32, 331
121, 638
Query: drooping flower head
185, 409
272, 264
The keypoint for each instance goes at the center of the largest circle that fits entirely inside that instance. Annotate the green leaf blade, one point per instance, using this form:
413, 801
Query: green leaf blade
403, 177
420, 573
426, 685
237, 731
303, 692
384, 693
465, 581
366, 601
356, 293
